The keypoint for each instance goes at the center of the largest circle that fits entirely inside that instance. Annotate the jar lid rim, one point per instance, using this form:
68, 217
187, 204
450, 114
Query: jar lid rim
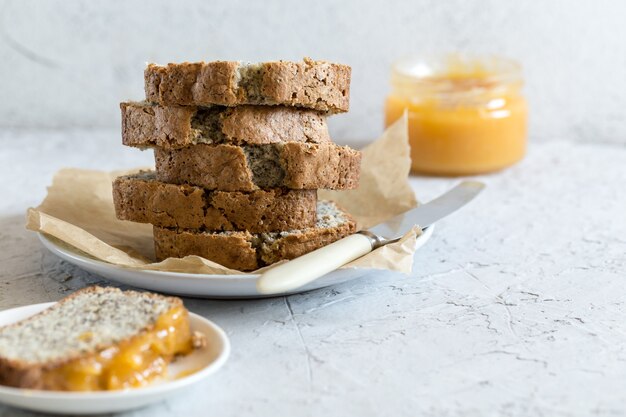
441, 68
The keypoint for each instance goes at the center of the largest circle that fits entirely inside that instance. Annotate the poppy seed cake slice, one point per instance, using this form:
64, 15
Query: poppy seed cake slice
82, 342
319, 85
141, 198
294, 165
146, 125
245, 251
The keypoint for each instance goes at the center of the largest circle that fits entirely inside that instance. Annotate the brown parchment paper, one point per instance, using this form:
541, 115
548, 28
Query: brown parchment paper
78, 211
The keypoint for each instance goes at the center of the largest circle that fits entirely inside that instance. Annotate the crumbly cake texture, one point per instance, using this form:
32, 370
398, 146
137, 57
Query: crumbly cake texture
318, 85
57, 335
291, 165
147, 125
244, 251
141, 198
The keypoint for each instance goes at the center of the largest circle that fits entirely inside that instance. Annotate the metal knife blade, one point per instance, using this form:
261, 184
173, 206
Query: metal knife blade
300, 271
427, 214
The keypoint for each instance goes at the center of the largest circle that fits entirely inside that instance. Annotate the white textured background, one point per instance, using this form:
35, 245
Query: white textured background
515, 308
68, 63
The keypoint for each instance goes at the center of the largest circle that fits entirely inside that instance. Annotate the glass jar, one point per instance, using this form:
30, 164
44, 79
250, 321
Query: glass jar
467, 115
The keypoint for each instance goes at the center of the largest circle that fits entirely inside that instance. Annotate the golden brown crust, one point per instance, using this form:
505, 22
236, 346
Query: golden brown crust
140, 198
20, 374
214, 167
232, 250
294, 166
192, 83
317, 84
145, 125
320, 166
150, 125
311, 84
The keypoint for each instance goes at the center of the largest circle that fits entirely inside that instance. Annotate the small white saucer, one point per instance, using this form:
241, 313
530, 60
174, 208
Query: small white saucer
195, 368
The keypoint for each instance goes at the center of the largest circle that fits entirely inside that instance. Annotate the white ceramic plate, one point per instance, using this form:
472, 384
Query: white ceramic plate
196, 285
199, 365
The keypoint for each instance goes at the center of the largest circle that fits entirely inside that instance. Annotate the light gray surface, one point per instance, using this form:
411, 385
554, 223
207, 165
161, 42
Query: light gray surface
516, 306
70, 62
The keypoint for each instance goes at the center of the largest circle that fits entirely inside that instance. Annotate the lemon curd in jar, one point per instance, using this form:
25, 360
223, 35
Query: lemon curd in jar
466, 115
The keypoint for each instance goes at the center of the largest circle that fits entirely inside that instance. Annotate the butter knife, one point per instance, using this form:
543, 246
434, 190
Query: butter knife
304, 269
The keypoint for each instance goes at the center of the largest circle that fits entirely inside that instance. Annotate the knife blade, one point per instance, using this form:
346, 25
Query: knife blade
304, 269
427, 214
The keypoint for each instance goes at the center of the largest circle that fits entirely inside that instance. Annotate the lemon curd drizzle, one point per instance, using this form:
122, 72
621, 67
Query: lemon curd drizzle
132, 363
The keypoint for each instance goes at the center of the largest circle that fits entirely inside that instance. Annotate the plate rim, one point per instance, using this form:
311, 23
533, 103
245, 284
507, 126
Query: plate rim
56, 249
149, 390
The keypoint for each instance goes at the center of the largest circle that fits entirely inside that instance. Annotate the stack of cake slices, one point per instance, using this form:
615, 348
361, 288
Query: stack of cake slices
240, 151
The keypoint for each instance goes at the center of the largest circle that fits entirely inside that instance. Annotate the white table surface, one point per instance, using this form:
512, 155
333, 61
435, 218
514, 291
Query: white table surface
516, 306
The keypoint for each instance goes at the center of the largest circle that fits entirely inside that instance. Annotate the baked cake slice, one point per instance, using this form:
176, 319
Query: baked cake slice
295, 165
95, 339
146, 125
141, 198
318, 85
246, 251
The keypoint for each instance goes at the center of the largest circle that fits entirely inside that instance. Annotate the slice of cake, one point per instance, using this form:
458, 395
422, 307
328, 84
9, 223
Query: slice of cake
295, 165
246, 251
318, 85
141, 198
147, 125
96, 339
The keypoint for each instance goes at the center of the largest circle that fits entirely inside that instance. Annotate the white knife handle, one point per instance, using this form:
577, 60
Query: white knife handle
309, 267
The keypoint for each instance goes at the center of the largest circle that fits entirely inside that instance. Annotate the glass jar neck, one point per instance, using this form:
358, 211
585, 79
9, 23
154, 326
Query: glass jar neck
453, 77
